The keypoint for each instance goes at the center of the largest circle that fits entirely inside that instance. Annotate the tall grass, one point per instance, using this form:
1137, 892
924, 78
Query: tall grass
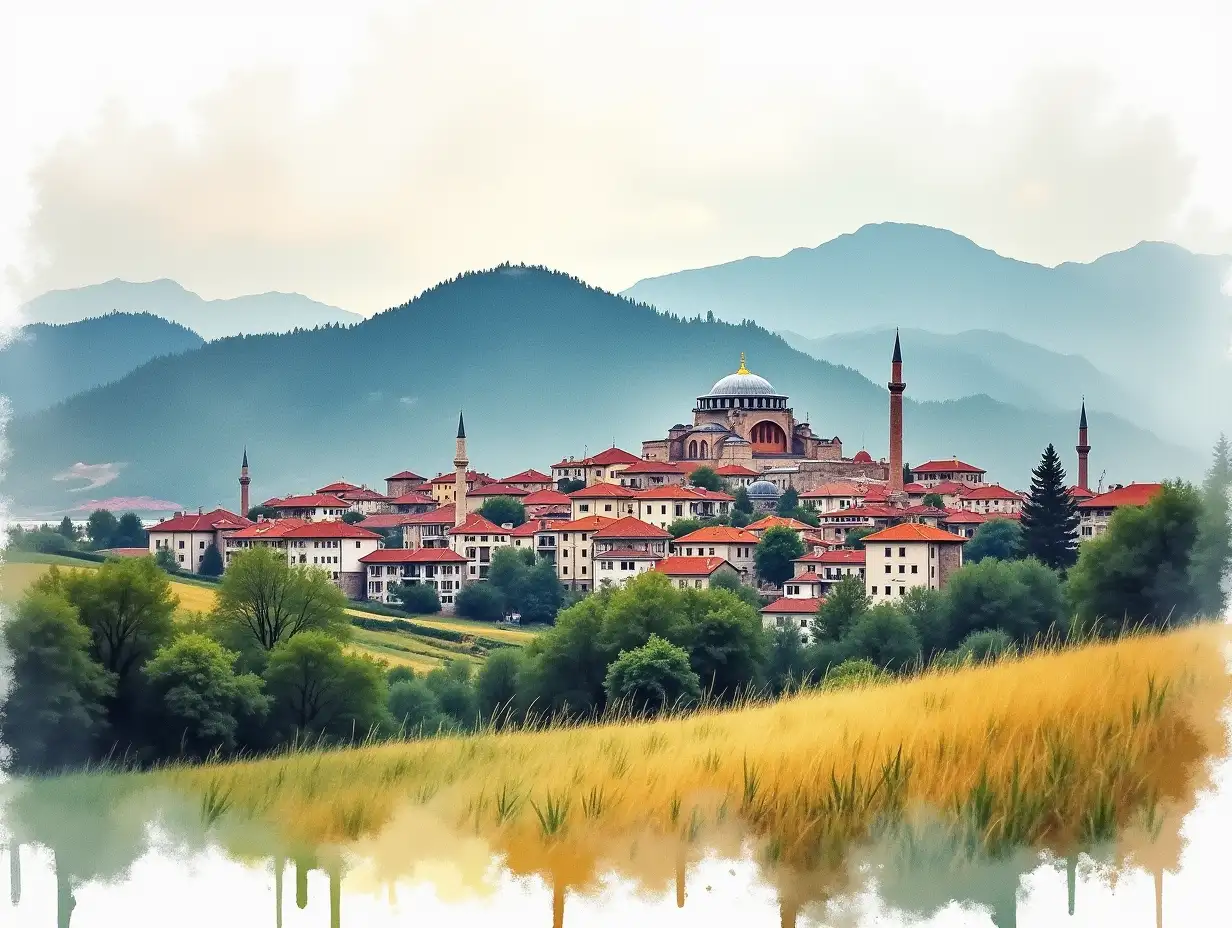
1058, 749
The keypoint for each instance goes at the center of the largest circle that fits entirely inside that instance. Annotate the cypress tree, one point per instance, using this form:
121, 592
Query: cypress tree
1050, 515
1212, 554
211, 562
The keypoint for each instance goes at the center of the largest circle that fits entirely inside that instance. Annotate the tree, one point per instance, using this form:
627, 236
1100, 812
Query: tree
983, 646
727, 643
454, 693
129, 533
480, 601
507, 574
496, 686
705, 477
257, 513
652, 678
417, 598
1021, 598
1050, 516
725, 579
934, 499
681, 527
854, 672
67, 530
565, 666
778, 548
999, 538
843, 605
350, 517
928, 613
266, 601
503, 510
101, 527
197, 700
542, 593
165, 559
788, 503
786, 664
413, 706
884, 636
740, 519
565, 485
54, 714
1138, 571
211, 562
743, 503
855, 536
317, 690
1212, 553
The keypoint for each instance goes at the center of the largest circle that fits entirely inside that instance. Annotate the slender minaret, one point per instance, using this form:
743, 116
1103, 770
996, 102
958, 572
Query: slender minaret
1083, 447
244, 481
896, 387
460, 464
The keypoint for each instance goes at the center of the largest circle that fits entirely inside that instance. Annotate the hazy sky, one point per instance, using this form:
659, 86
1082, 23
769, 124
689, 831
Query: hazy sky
360, 157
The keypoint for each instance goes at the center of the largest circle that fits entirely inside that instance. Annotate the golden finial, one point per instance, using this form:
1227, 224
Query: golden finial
743, 369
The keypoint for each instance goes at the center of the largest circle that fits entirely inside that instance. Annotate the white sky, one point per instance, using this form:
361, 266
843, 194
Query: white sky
360, 156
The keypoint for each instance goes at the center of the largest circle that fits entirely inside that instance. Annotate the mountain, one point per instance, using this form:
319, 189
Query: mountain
543, 365
241, 315
1154, 314
945, 367
45, 364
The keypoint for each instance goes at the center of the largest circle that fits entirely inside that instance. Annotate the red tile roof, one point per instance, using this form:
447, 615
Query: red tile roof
218, 519
963, 517
532, 527
602, 491
926, 511
953, 465
472, 477
413, 499
362, 493
772, 521
386, 520
584, 524
313, 501
656, 467
862, 457
793, 605
475, 524
627, 554
835, 489
405, 475
991, 491
713, 495
1080, 493
337, 529
1134, 494
839, 556
498, 488
690, 566
912, 531
545, 498
735, 470
809, 576
442, 515
948, 488
861, 512
413, 556
875, 493
612, 456
270, 528
629, 527
674, 491
718, 535
913, 489
337, 487
528, 476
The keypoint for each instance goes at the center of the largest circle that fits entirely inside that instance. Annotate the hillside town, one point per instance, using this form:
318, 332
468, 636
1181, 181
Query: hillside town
602, 519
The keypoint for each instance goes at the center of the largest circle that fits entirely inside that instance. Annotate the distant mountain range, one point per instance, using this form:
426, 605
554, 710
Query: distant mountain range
1154, 315
243, 315
544, 366
45, 364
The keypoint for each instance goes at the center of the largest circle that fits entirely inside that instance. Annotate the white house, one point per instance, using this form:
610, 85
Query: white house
625, 548
188, 537
830, 497
315, 507
991, 499
332, 546
692, 572
909, 555
1096, 512
734, 545
610, 500
952, 470
802, 597
440, 568
831, 566
476, 539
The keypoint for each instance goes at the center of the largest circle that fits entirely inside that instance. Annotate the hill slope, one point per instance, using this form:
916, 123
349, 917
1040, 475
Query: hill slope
543, 365
243, 315
1154, 313
44, 364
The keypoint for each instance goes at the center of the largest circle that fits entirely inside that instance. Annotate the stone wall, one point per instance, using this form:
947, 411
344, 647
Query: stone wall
353, 585
949, 559
812, 474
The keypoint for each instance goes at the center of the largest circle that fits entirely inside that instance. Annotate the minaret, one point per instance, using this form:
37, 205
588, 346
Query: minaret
460, 464
1083, 447
244, 481
896, 386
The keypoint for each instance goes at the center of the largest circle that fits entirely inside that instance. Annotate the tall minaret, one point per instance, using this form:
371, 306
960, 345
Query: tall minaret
459, 481
896, 386
244, 481
1083, 447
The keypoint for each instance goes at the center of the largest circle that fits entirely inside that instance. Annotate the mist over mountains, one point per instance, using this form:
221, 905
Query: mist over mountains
544, 366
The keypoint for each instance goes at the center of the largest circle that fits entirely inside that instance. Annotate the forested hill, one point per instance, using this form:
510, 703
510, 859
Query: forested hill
543, 365
44, 364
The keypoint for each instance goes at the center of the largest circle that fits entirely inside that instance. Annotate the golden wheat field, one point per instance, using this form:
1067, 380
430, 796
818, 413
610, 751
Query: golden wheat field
1057, 750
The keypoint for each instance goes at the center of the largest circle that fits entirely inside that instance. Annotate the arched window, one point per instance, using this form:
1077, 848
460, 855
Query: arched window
705, 450
693, 448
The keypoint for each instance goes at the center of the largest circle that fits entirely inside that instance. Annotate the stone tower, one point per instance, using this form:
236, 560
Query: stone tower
896, 386
1083, 448
460, 464
244, 481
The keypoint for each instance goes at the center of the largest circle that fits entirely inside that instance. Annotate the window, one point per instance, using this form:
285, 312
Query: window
181, 547
564, 569
583, 570
887, 568
712, 551
902, 568
902, 590
697, 584
607, 507
902, 552
889, 552
201, 545
583, 507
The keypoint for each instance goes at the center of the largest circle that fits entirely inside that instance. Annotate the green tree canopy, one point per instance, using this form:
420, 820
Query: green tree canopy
413, 707
936, 500
565, 485
681, 527
928, 612
54, 714
165, 559
197, 700
67, 530
211, 562
778, 548
984, 646
496, 685
999, 538
542, 593
855, 536
786, 663
507, 574
350, 517
651, 678
725, 579
884, 636
705, 477
317, 690
1050, 516
262, 512
455, 695
565, 666
1021, 598
417, 598
743, 503
480, 601
1212, 554
101, 528
788, 503
503, 510
726, 642
129, 533
264, 600
843, 605
1138, 571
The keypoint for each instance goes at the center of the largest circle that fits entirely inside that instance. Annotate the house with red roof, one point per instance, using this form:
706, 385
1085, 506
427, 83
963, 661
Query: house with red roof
961, 522
737, 475
835, 525
802, 596
692, 572
734, 545
909, 555
440, 568
1095, 513
188, 536
832, 496
953, 470
759, 527
531, 480
624, 548
482, 494
574, 543
412, 502
337, 489
428, 529
329, 545
645, 475
829, 567
610, 500
604, 467
663, 505
366, 501
991, 499
538, 535
403, 482
548, 504
315, 507
476, 539
441, 486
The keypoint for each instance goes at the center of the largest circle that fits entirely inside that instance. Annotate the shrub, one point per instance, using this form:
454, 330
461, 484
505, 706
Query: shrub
418, 598
480, 601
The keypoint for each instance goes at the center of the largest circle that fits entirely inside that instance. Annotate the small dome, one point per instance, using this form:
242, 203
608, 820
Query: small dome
711, 427
763, 489
734, 440
863, 457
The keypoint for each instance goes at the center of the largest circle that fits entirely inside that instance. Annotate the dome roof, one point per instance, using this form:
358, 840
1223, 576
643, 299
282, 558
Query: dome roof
711, 427
863, 457
763, 489
742, 383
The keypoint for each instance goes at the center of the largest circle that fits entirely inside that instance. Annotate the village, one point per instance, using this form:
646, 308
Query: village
604, 518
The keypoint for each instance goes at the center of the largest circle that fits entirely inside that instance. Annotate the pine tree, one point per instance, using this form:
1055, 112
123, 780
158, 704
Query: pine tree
1050, 516
211, 562
1212, 554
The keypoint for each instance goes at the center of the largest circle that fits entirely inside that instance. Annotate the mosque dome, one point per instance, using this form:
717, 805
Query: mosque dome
863, 457
763, 489
742, 383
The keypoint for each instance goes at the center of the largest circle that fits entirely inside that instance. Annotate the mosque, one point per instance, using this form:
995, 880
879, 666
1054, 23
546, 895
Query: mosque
744, 421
